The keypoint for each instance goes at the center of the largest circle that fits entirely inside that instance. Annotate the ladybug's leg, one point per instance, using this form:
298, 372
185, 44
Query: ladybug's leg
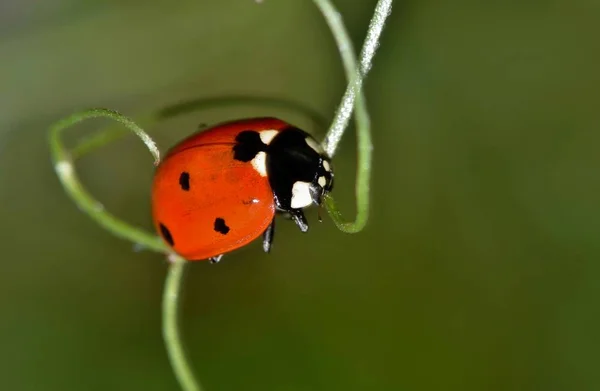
215, 259
299, 219
268, 236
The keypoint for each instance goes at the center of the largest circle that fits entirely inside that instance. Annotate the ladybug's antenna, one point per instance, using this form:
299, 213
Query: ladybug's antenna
319, 210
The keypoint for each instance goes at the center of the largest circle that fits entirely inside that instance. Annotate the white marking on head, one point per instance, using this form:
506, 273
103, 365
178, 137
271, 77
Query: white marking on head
260, 163
314, 145
267, 136
326, 166
322, 181
301, 195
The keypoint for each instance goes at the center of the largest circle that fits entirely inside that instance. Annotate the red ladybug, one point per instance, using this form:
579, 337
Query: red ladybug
220, 189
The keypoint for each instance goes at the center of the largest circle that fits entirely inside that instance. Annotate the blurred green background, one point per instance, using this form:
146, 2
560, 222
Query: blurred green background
479, 269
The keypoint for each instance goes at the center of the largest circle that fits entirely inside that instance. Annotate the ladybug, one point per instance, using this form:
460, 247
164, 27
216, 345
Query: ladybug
221, 188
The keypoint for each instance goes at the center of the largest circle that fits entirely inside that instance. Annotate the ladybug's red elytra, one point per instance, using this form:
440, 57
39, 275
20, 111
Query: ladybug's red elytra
220, 188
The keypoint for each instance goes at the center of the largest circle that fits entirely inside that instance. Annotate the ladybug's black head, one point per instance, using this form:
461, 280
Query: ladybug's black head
299, 171
323, 182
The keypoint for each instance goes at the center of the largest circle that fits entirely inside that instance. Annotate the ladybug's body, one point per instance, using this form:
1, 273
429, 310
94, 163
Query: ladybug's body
219, 189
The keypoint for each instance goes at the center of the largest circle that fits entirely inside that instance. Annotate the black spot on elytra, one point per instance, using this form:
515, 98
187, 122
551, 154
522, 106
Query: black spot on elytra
248, 145
184, 181
220, 226
166, 234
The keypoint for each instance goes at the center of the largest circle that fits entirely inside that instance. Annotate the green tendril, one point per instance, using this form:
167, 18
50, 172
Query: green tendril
179, 363
354, 98
63, 165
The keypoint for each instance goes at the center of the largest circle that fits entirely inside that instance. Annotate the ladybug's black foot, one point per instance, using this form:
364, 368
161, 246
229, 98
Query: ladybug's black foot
215, 259
268, 236
299, 219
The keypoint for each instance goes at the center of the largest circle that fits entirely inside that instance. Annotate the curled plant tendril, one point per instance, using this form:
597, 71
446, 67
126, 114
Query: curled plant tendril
63, 165
353, 99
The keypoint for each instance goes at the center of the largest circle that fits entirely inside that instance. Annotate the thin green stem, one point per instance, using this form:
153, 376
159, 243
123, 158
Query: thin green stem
179, 363
354, 72
354, 98
105, 136
383, 9
192, 105
65, 170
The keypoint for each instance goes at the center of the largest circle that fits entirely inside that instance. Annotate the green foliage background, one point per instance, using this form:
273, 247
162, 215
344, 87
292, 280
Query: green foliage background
479, 268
